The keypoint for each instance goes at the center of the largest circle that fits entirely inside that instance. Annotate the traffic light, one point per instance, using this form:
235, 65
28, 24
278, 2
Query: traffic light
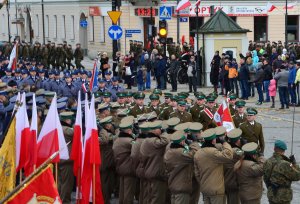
163, 31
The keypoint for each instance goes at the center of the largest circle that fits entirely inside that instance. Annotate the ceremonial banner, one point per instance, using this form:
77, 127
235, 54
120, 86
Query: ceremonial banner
41, 188
8, 161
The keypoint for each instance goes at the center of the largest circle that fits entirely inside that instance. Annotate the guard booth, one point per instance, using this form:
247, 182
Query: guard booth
220, 33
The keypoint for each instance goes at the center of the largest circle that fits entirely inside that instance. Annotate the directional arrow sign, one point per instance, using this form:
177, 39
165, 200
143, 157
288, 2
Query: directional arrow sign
114, 16
115, 32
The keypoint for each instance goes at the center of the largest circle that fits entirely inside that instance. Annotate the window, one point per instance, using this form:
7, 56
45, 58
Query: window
102, 29
260, 28
55, 27
292, 28
37, 27
64, 27
92, 33
47, 26
3, 24
72, 29
193, 23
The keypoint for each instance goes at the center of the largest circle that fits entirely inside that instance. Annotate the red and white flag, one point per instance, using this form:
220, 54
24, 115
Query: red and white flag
223, 118
270, 7
197, 3
290, 5
32, 145
183, 4
91, 159
13, 57
22, 134
51, 138
84, 87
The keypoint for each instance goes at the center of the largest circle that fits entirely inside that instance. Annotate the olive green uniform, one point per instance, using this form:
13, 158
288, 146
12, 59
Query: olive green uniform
207, 121
136, 110
195, 111
253, 133
183, 116
239, 119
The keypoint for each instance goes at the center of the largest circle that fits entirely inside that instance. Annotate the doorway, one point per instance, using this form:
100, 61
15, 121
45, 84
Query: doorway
83, 35
148, 30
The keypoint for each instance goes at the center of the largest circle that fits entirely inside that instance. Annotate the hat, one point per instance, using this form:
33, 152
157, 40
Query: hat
155, 125
68, 75
144, 126
122, 112
172, 122
220, 131
182, 96
234, 134
114, 105
129, 94
3, 84
115, 78
210, 98
178, 137
49, 94
108, 73
126, 124
240, 103
24, 71
139, 95
157, 91
280, 144
154, 97
33, 69
232, 96
250, 148
8, 69
151, 116
40, 92
181, 103
174, 98
101, 80
61, 106
66, 115
168, 95
121, 94
56, 73
18, 70
200, 96
195, 127
141, 118
127, 118
41, 71
209, 134
251, 111
106, 94
183, 126
103, 106
62, 99
106, 120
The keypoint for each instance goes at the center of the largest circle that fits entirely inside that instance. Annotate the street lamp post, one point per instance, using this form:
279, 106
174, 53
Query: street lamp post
8, 21
43, 19
198, 50
178, 27
286, 21
151, 23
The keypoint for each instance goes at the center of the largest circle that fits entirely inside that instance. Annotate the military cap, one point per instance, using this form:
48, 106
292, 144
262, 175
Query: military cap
157, 91
127, 118
106, 120
174, 98
234, 134
41, 71
250, 148
210, 98
62, 99
3, 84
168, 95
66, 115
61, 106
200, 96
240, 103
108, 73
122, 112
11, 83
195, 127
251, 111
49, 94
183, 126
89, 74
126, 124
28, 95
114, 105
68, 75
178, 137
18, 70
121, 94
82, 71
99, 73
232, 96
220, 131
40, 92
24, 71
155, 125
115, 78
56, 73
139, 95
33, 69
8, 69
144, 126
141, 118
172, 122
151, 116
40, 101
280, 144
182, 96
209, 134
129, 94
181, 103
103, 106
106, 94
50, 72
101, 80
214, 94
154, 97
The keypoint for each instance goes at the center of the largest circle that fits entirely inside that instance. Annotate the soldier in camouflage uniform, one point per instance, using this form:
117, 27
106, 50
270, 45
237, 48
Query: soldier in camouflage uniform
279, 172
45, 55
25, 51
52, 53
70, 57
60, 57
78, 55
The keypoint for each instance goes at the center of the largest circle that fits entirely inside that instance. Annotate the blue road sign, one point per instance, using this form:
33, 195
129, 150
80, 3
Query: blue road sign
83, 23
128, 35
183, 19
165, 13
133, 31
115, 32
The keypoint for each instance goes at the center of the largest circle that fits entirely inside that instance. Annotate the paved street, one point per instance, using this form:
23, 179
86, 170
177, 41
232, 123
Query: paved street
277, 124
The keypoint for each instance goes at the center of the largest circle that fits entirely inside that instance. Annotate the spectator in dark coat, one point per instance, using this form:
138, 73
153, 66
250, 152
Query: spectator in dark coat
160, 72
268, 76
282, 78
174, 67
291, 82
243, 78
214, 71
258, 80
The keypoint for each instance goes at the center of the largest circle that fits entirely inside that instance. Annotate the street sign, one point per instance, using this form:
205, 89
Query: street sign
128, 35
183, 19
83, 23
165, 13
115, 32
134, 31
114, 16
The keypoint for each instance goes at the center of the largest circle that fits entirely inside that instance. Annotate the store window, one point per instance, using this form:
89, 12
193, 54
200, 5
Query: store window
260, 28
193, 23
292, 28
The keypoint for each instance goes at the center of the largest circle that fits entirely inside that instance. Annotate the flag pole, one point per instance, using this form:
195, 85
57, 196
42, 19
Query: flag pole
94, 183
56, 169
20, 175
78, 197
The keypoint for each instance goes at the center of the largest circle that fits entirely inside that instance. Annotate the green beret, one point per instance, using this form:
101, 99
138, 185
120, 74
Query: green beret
157, 91
155, 125
240, 103
250, 148
139, 95
209, 134
106, 120
106, 94
251, 111
121, 94
182, 103
195, 127
126, 124
66, 115
280, 144
178, 137
220, 131
234, 134
154, 97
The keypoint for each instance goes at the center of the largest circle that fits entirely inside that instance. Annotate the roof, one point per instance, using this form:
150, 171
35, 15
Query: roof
220, 22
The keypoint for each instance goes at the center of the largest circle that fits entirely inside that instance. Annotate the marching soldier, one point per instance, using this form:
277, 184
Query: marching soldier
232, 106
45, 55
70, 57
60, 57
207, 114
139, 107
239, 117
154, 104
78, 55
197, 107
181, 113
279, 173
252, 130
166, 112
52, 54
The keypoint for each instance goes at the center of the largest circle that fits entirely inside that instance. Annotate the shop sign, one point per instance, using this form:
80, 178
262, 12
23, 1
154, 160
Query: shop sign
94, 11
145, 12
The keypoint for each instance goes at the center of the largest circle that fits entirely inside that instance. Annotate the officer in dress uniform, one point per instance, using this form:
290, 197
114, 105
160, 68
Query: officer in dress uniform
167, 101
121, 99
68, 89
197, 107
181, 113
8, 76
56, 82
239, 117
139, 107
206, 115
102, 86
166, 111
108, 79
32, 79
43, 82
232, 106
115, 88
154, 104
18, 77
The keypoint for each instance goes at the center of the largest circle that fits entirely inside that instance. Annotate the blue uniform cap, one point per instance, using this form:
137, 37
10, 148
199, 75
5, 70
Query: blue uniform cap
99, 73
83, 71
56, 73
33, 69
24, 71
41, 71
280, 144
67, 75
102, 80
61, 106
115, 78
62, 99
8, 69
89, 74
108, 73
18, 70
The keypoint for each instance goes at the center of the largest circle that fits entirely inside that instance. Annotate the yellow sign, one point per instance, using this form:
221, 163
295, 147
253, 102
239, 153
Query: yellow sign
114, 16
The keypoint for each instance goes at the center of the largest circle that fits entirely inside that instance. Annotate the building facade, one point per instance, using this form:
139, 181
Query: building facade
87, 22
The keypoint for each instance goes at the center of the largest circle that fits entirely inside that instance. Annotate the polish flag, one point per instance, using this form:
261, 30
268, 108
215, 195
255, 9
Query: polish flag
183, 4
197, 3
270, 7
86, 109
91, 160
22, 134
13, 57
223, 118
84, 87
290, 5
32, 145
51, 138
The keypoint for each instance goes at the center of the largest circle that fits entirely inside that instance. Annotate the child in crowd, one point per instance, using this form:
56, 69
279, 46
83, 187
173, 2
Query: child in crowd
272, 92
